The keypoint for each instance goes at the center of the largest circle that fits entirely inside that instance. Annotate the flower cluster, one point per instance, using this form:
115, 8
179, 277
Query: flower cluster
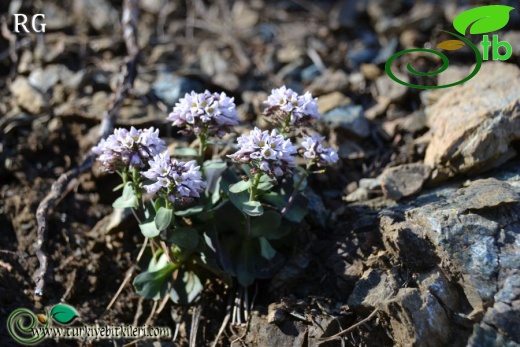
178, 179
212, 112
129, 148
288, 108
313, 150
271, 153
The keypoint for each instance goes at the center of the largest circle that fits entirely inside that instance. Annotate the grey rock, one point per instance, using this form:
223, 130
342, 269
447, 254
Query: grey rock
474, 124
404, 180
513, 37
373, 288
456, 254
330, 101
101, 15
503, 317
45, 79
287, 333
388, 88
350, 118
330, 81
28, 97
169, 88
310, 73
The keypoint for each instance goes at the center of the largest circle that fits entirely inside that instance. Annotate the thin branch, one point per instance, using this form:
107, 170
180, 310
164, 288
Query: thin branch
346, 331
127, 77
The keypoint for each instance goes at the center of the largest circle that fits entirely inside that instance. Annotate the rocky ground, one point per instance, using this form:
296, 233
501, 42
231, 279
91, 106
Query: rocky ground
414, 239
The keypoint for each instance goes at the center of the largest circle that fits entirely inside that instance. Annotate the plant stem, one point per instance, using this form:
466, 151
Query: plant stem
285, 126
296, 189
202, 147
136, 179
256, 181
252, 195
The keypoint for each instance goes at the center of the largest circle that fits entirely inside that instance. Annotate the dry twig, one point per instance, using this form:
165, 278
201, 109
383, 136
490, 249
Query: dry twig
59, 188
349, 329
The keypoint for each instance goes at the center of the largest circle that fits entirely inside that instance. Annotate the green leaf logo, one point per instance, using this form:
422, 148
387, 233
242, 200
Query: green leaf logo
483, 19
63, 313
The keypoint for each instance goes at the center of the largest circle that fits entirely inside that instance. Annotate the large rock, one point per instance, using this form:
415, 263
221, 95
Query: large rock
28, 97
404, 180
456, 254
474, 124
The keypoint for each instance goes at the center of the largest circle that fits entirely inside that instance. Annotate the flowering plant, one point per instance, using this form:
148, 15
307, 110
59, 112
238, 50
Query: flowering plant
228, 214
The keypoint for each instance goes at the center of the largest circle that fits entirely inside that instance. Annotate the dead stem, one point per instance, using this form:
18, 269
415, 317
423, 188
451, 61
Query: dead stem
346, 331
59, 188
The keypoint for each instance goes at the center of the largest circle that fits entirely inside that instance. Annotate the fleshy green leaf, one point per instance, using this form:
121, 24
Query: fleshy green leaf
185, 290
63, 313
185, 237
266, 225
240, 186
482, 19
213, 170
128, 198
160, 202
185, 152
253, 208
296, 212
268, 252
266, 183
149, 229
238, 199
245, 266
189, 211
153, 285
163, 218
158, 261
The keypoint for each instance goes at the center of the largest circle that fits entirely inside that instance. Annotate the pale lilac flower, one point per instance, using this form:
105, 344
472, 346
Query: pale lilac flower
271, 153
210, 112
287, 108
313, 149
129, 148
177, 179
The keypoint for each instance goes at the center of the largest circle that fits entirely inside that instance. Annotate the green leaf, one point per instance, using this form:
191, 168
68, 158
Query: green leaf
153, 285
238, 199
185, 291
185, 237
160, 202
240, 186
266, 225
185, 152
189, 211
252, 208
268, 252
119, 187
128, 198
158, 261
213, 170
163, 218
266, 183
296, 212
63, 313
149, 229
244, 264
482, 19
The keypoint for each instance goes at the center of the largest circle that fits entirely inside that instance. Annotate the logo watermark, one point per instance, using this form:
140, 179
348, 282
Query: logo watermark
29, 328
480, 20
21, 22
